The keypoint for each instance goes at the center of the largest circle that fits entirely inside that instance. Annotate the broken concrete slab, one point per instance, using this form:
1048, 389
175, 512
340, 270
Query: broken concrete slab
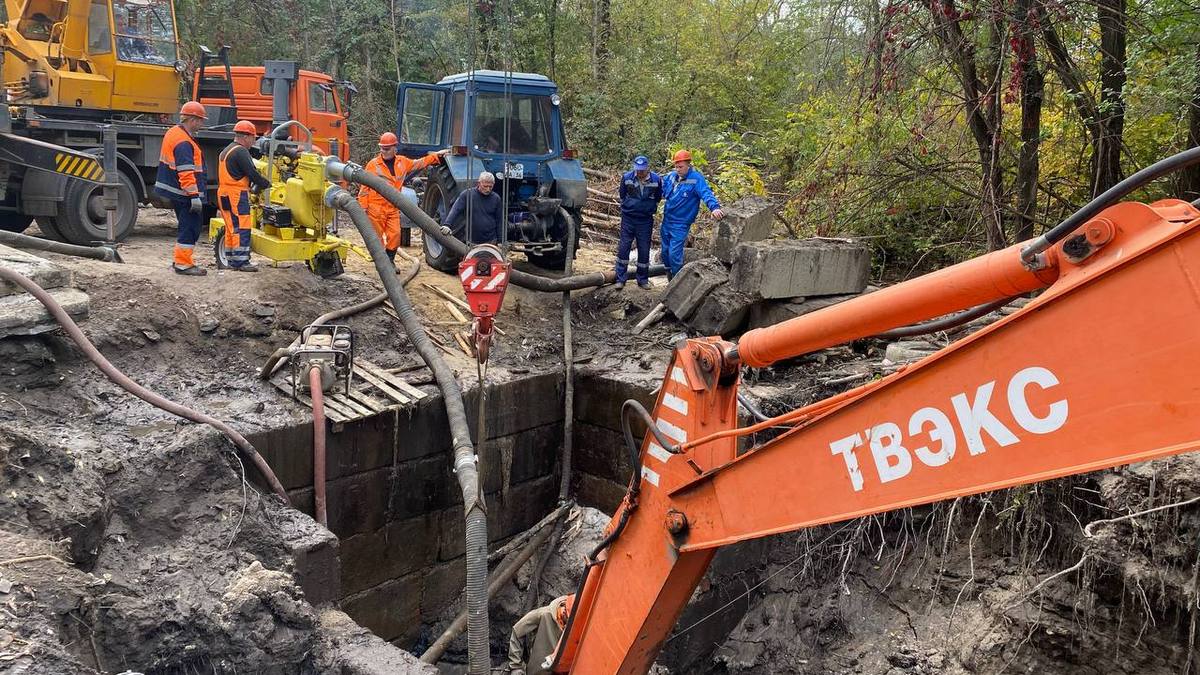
748, 219
24, 315
689, 288
777, 269
723, 312
41, 271
771, 312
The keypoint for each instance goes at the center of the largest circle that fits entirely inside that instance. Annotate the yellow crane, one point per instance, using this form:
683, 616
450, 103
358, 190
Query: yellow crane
103, 55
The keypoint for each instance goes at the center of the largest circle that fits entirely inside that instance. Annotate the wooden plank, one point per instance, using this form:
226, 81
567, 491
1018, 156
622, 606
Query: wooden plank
462, 343
396, 382
366, 399
455, 312
347, 402
336, 413
390, 391
458, 301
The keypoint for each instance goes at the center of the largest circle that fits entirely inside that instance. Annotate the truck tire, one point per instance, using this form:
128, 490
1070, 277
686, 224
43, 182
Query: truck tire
49, 227
12, 221
219, 249
81, 217
437, 256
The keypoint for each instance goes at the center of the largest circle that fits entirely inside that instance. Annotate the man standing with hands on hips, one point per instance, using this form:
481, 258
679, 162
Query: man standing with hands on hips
683, 189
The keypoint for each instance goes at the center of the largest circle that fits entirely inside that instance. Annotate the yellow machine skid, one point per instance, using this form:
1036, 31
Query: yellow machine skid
291, 244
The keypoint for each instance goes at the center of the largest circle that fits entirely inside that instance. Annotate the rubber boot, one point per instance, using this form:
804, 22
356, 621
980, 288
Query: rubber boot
190, 271
248, 267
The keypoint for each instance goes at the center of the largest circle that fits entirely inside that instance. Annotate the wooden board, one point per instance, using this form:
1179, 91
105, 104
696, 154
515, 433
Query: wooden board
373, 390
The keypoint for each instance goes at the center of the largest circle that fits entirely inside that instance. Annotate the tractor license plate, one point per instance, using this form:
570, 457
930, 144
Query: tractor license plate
516, 171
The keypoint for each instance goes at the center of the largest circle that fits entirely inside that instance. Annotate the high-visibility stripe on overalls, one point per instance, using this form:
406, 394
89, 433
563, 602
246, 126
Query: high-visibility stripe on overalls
180, 178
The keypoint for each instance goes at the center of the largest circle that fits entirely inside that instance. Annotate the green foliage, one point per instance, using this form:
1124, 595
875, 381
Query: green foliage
851, 115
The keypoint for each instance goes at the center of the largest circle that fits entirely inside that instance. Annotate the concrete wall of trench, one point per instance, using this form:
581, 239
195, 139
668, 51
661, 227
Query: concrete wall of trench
397, 512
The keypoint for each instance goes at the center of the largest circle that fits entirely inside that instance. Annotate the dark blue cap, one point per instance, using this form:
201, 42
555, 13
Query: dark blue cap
640, 162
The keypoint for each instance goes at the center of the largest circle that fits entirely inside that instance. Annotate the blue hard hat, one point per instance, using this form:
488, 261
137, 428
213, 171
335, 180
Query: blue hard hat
640, 162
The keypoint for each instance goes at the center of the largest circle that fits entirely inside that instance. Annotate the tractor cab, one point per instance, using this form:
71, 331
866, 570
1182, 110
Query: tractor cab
509, 124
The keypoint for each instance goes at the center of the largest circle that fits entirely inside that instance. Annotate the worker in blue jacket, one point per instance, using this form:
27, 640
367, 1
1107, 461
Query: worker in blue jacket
640, 193
683, 189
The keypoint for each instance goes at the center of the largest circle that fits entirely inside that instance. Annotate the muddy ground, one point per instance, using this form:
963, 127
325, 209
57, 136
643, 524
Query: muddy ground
128, 539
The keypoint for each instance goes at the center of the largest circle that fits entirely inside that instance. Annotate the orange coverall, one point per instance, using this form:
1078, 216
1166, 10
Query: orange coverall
385, 217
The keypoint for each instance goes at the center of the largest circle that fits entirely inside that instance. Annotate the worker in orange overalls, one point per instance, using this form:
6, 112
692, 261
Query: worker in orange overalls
394, 168
237, 173
181, 180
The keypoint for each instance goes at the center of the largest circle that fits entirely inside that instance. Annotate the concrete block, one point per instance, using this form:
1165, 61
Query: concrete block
441, 587
353, 650
800, 268
601, 452
599, 396
723, 312
401, 547
314, 552
771, 312
42, 272
424, 485
391, 610
597, 493
694, 282
535, 453
747, 219
23, 315
357, 503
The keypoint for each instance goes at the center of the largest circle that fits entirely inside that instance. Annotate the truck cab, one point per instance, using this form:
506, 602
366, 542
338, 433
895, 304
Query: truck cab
509, 124
314, 99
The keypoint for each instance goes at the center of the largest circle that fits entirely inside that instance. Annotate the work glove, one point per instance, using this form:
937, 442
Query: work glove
197, 205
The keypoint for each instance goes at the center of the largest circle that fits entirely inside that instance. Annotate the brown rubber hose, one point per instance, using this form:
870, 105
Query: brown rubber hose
318, 408
72, 329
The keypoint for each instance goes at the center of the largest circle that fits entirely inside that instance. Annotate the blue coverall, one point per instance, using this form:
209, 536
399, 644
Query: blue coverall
682, 204
639, 201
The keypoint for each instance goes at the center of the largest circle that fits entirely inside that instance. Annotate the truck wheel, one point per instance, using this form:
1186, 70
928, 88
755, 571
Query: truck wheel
49, 227
81, 216
437, 256
11, 221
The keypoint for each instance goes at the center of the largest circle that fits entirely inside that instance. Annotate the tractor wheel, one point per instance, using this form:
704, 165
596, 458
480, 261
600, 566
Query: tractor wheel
437, 256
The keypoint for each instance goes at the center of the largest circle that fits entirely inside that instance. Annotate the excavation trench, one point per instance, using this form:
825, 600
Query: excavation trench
398, 565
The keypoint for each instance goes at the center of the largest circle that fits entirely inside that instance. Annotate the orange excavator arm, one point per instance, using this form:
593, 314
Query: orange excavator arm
1099, 370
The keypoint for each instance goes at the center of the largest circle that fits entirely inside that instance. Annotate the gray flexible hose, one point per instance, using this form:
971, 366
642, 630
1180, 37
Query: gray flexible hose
338, 170
103, 253
478, 651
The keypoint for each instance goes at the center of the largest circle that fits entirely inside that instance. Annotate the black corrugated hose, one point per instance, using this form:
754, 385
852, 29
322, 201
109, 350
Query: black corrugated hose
465, 467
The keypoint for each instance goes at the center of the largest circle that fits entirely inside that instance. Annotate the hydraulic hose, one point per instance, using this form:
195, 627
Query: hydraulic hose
102, 253
121, 379
318, 408
478, 654
338, 170
1110, 196
944, 323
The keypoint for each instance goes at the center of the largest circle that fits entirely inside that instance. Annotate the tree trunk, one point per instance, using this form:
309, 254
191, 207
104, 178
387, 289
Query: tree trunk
601, 30
1110, 127
982, 123
1033, 85
552, 26
1189, 183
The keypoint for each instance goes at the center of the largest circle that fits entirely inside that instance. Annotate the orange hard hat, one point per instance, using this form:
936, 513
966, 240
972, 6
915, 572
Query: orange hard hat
245, 127
564, 609
682, 156
193, 109
387, 139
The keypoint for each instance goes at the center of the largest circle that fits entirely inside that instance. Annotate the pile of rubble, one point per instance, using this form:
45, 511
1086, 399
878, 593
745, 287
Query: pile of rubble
748, 280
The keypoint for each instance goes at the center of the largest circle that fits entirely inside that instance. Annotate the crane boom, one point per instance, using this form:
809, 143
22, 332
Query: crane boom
1098, 371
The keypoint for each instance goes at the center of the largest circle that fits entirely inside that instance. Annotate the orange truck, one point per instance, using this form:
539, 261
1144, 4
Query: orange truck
312, 98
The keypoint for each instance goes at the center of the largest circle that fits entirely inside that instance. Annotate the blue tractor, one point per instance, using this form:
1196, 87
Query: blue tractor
506, 123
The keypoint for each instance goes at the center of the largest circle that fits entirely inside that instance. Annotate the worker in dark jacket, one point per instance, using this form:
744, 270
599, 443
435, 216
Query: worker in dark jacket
478, 214
237, 174
181, 180
545, 625
640, 193
683, 189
